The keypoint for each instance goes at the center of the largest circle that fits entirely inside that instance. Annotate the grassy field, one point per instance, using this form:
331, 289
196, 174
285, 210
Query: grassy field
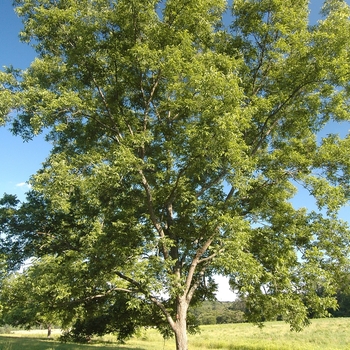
329, 334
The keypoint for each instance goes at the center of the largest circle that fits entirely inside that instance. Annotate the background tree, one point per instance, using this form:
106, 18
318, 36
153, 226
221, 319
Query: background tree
28, 297
178, 143
343, 297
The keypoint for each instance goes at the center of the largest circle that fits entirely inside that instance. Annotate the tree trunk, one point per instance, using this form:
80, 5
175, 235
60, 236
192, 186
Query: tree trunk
181, 325
181, 339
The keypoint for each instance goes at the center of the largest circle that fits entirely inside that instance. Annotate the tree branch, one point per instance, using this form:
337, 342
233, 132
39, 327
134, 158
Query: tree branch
119, 137
189, 291
210, 257
229, 195
171, 196
108, 292
129, 279
164, 310
211, 183
263, 133
153, 216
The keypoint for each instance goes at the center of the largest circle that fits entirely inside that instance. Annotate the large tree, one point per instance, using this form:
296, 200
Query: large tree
181, 130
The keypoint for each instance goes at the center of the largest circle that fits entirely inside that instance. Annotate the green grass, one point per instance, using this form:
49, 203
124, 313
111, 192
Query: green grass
330, 334
322, 334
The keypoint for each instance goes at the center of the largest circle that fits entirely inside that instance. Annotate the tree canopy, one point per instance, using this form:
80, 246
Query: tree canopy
181, 130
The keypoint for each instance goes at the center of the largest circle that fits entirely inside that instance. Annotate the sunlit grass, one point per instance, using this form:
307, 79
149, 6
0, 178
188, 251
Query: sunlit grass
330, 334
321, 334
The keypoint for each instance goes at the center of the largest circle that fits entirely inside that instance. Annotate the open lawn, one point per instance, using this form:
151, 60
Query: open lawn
329, 334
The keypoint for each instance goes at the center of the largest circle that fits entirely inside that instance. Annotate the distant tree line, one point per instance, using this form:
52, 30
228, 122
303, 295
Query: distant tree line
216, 312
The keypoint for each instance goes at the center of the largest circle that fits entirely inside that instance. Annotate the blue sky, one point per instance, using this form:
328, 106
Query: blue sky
19, 160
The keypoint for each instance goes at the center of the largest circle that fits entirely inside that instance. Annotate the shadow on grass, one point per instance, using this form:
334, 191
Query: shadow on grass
21, 343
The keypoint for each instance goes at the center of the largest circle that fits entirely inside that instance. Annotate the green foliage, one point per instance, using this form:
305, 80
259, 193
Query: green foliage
178, 141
